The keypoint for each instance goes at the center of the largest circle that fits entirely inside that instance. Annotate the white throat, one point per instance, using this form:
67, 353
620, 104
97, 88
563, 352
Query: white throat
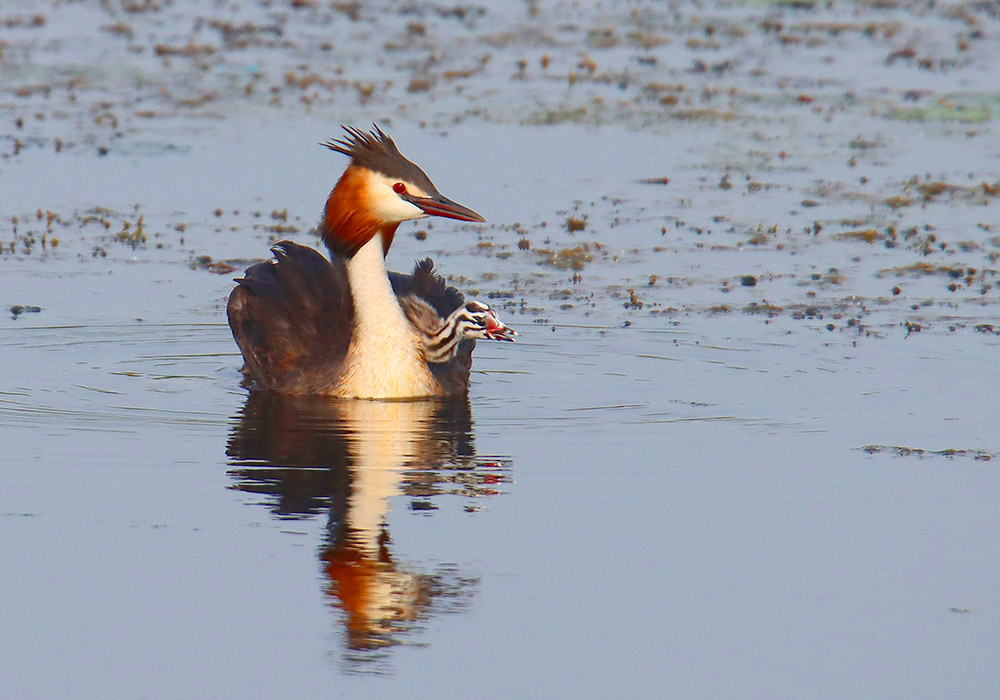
385, 359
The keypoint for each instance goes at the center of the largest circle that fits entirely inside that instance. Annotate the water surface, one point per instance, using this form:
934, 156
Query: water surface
745, 445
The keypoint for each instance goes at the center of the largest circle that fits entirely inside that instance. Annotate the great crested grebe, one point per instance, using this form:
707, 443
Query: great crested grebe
345, 326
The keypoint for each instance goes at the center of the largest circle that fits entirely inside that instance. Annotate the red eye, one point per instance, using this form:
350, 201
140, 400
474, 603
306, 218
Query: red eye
399, 188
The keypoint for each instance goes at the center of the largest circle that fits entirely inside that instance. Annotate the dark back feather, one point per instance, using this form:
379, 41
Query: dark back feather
292, 318
429, 286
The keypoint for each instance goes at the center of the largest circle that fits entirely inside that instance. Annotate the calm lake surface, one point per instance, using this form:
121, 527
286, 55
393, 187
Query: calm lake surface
745, 446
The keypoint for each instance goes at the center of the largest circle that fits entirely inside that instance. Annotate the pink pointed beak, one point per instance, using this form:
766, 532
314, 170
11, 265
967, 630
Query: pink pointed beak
497, 329
442, 206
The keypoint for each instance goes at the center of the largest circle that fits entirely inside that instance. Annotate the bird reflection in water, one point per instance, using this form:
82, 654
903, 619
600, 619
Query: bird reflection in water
308, 454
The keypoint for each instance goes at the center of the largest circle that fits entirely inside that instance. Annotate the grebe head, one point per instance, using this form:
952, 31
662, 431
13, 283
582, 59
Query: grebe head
480, 321
390, 188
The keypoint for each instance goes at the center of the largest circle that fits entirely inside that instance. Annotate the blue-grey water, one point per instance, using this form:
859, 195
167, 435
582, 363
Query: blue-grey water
745, 445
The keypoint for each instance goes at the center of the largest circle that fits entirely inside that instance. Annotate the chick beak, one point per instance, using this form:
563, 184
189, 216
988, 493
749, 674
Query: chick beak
497, 329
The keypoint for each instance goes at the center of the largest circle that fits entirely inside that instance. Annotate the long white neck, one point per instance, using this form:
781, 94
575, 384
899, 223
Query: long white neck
384, 360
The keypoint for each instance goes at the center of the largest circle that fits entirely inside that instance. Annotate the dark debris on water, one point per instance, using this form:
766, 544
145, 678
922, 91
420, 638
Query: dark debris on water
17, 309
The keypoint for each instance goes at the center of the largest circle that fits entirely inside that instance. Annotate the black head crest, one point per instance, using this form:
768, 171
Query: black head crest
376, 151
